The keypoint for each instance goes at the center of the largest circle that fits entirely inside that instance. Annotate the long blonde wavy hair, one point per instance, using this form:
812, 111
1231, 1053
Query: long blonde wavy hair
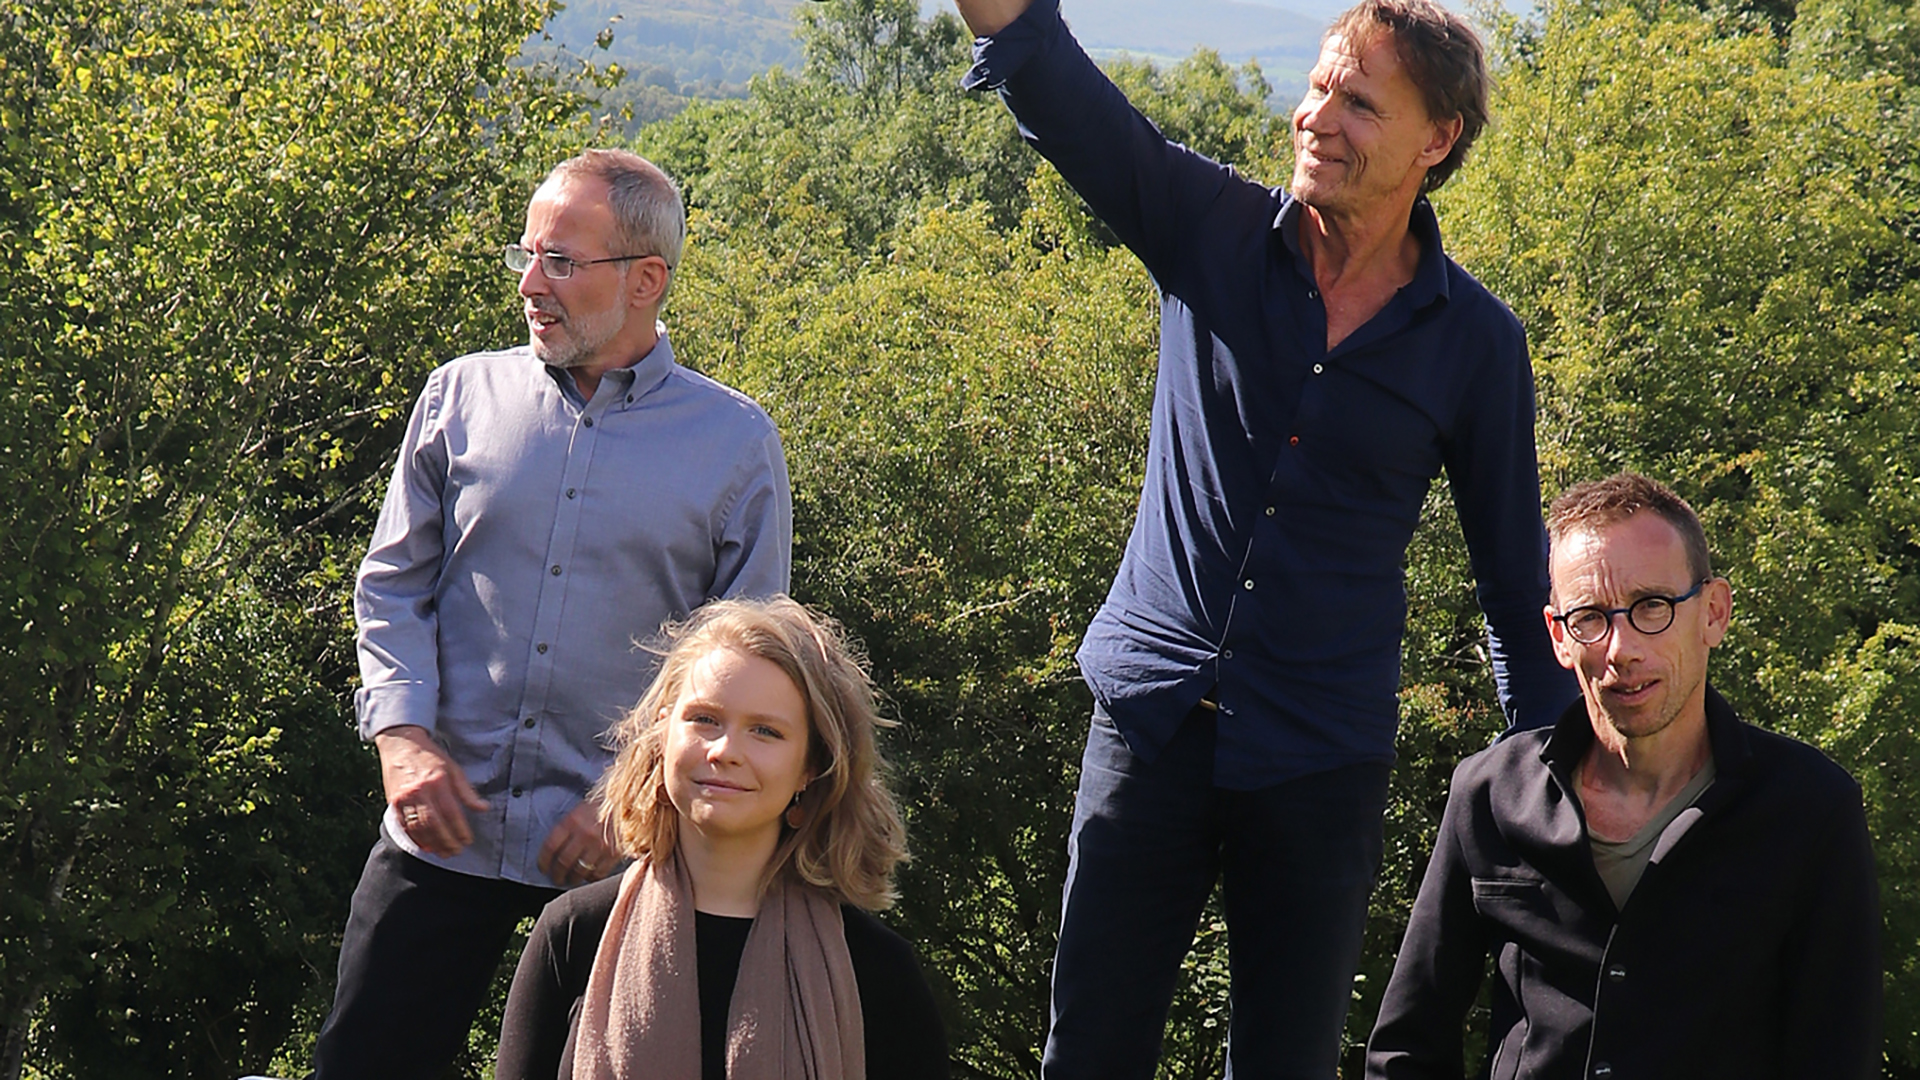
850, 837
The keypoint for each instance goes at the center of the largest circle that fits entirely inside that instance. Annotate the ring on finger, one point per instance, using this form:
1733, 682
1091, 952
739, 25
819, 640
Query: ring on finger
584, 865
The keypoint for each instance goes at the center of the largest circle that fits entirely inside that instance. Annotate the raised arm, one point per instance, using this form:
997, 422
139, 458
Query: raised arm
1163, 200
988, 17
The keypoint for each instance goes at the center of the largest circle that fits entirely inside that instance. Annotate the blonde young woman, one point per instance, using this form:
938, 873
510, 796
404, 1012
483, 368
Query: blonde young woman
741, 942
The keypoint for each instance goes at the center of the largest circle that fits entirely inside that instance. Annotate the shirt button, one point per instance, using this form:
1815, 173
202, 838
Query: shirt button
1317, 369
1313, 294
1293, 440
527, 723
541, 648
516, 793
1247, 584
556, 570
569, 493
1226, 654
1269, 511
1616, 973
588, 421
1602, 1070
629, 399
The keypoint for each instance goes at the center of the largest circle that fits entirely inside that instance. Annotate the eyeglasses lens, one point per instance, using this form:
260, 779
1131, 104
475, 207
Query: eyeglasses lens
555, 267
1651, 614
1588, 625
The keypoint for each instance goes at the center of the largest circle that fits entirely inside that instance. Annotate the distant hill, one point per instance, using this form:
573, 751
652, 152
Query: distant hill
1284, 41
675, 49
706, 46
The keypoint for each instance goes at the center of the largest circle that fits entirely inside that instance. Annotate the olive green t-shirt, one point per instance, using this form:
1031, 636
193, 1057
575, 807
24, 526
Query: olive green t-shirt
1621, 864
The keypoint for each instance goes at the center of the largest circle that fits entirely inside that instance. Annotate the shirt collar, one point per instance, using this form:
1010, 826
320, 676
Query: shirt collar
635, 380
1727, 736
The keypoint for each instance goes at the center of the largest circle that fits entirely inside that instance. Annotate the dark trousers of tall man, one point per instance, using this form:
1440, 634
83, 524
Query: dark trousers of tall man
419, 953
1296, 863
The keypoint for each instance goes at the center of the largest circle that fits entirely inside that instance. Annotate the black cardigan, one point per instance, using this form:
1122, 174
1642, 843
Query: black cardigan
1749, 950
904, 1038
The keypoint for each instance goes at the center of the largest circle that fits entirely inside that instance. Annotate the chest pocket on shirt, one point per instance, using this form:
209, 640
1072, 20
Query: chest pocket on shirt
1504, 899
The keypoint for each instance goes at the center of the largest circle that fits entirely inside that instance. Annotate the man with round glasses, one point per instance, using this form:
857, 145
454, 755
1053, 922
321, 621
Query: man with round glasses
1664, 890
552, 505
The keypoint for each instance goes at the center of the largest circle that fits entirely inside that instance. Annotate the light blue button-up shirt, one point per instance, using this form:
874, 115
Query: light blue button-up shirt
530, 542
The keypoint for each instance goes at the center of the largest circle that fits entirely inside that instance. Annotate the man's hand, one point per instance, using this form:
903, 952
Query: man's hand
988, 17
579, 849
428, 792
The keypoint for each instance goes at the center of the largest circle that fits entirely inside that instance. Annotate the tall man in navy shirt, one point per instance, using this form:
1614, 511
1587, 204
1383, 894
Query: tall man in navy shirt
1321, 362
551, 506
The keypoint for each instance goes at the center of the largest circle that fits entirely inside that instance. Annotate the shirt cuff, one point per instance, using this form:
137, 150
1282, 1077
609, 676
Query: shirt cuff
998, 57
378, 708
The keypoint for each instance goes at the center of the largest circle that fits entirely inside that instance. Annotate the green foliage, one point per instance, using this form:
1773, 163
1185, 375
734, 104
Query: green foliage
967, 570
233, 235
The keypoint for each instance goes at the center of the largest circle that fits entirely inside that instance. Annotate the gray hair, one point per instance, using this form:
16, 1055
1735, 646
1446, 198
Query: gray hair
648, 216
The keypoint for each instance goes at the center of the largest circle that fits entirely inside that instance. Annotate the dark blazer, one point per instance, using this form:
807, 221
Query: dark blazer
1750, 948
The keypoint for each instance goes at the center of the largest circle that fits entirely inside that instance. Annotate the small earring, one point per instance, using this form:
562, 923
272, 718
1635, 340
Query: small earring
796, 816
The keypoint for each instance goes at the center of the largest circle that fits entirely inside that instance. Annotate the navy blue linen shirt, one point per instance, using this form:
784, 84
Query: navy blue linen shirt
1284, 480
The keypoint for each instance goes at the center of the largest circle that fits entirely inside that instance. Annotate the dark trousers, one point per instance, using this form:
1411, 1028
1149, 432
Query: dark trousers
1296, 862
417, 958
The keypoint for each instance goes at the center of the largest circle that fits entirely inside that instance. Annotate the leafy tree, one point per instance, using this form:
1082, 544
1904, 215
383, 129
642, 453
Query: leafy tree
233, 235
967, 570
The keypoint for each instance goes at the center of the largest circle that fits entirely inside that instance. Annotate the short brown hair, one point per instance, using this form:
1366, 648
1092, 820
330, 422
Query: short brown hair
851, 837
1443, 58
1599, 503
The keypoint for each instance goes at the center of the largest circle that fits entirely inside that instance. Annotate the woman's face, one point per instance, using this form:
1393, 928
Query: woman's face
736, 748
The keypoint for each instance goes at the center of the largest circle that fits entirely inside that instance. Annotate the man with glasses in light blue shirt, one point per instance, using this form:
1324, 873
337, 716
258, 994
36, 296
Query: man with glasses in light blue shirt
552, 505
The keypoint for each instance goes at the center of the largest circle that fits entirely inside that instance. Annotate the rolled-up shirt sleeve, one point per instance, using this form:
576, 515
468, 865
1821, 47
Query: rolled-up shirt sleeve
394, 594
